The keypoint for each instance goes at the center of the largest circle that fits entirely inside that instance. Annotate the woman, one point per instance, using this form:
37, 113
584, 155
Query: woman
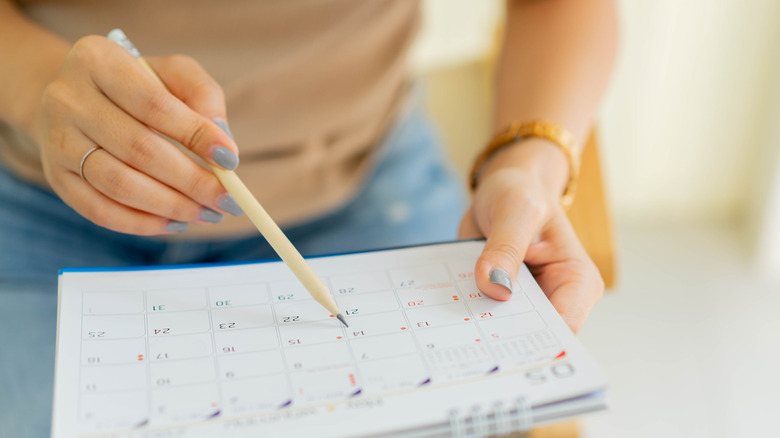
332, 142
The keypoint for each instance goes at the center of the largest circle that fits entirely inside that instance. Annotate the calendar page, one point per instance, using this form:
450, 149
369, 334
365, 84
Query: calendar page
244, 350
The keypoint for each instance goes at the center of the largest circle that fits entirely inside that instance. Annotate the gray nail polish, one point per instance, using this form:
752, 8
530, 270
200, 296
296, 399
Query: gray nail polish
499, 276
177, 226
225, 158
223, 124
210, 215
230, 205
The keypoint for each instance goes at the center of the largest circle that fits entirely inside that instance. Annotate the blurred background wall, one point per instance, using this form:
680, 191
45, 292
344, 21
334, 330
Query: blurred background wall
690, 143
689, 125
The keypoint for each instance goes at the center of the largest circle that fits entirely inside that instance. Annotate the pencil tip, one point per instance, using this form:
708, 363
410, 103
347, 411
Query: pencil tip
343, 321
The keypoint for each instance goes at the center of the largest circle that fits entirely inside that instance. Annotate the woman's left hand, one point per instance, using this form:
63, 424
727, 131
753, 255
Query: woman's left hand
518, 212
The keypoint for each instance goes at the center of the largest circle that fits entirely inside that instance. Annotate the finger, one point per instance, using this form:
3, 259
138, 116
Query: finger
188, 81
468, 226
575, 299
511, 232
569, 278
129, 187
557, 242
146, 151
106, 212
116, 71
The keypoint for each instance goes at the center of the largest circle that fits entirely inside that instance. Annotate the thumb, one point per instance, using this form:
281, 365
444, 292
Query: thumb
468, 226
508, 238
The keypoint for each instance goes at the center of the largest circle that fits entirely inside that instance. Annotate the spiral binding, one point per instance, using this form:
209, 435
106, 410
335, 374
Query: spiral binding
498, 420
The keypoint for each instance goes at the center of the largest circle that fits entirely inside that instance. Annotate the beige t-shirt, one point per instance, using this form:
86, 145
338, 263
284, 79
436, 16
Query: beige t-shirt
311, 86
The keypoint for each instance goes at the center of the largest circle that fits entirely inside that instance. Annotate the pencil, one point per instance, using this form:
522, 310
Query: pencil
256, 213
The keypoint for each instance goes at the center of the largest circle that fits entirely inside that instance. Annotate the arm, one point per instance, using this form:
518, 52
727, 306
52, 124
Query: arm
31, 57
69, 99
555, 64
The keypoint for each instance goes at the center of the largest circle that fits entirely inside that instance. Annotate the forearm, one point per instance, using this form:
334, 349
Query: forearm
555, 63
30, 59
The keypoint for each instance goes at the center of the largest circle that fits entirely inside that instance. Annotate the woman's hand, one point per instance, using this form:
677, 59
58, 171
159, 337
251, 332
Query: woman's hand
516, 206
136, 182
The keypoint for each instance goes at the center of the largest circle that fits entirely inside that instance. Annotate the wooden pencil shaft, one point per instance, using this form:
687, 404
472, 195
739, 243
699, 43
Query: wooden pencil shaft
276, 238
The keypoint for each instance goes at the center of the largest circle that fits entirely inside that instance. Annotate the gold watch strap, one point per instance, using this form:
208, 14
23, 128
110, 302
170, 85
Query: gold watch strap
534, 128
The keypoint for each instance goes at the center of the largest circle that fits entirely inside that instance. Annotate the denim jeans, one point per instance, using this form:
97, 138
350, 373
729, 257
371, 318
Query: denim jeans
411, 197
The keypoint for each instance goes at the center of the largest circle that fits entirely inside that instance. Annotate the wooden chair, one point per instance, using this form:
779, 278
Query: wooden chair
589, 214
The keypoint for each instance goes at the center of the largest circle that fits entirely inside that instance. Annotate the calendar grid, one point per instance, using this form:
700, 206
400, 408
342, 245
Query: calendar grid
286, 365
235, 347
408, 324
471, 313
346, 337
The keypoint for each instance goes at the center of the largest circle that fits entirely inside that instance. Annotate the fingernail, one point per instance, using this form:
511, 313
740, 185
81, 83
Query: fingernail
499, 276
223, 124
230, 205
177, 226
224, 157
209, 215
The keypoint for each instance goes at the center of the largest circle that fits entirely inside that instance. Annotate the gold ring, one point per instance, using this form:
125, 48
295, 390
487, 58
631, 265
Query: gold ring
83, 159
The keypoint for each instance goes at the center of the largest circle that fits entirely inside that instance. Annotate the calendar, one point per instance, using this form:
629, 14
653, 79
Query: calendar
244, 350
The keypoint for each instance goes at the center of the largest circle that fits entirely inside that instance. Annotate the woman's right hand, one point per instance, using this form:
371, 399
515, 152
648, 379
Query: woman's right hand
136, 182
